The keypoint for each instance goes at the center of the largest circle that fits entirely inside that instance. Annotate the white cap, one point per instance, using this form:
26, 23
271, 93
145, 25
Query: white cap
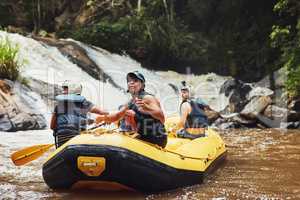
66, 83
73, 88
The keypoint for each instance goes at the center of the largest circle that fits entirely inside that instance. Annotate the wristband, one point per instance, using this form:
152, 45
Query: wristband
130, 104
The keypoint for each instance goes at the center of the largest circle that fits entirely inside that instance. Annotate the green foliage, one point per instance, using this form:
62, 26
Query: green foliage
110, 36
230, 37
281, 5
286, 36
9, 65
293, 77
155, 36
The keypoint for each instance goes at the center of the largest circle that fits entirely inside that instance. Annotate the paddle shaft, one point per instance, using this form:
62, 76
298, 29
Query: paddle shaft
31, 153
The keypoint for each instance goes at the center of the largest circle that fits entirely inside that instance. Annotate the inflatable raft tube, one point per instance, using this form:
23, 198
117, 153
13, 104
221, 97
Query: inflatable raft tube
117, 161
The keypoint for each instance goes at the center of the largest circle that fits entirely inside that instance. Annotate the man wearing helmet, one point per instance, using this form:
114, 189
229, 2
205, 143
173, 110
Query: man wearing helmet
193, 119
70, 113
143, 112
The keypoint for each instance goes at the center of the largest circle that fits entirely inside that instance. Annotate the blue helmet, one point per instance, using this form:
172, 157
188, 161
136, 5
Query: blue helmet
136, 74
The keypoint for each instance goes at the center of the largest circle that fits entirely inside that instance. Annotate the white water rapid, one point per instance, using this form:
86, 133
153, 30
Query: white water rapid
47, 64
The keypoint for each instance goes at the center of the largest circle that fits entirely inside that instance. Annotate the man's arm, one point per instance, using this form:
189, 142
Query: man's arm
98, 111
109, 118
151, 106
185, 111
53, 121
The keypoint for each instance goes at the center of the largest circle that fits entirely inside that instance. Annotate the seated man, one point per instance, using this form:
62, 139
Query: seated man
144, 112
70, 113
193, 119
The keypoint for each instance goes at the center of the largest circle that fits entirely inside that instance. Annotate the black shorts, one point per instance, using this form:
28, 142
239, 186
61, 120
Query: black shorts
64, 135
160, 140
184, 134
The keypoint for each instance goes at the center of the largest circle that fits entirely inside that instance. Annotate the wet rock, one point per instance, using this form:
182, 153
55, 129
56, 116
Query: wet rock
255, 107
233, 121
5, 123
40, 121
229, 125
218, 122
76, 54
46, 90
259, 91
273, 111
289, 125
295, 105
280, 98
282, 114
5, 87
232, 85
23, 121
268, 122
212, 115
237, 92
18, 108
246, 122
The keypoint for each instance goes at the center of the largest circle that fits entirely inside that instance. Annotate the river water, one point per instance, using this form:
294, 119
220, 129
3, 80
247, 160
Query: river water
261, 164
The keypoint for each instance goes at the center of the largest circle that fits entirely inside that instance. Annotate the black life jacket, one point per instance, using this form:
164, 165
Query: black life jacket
70, 112
197, 117
146, 124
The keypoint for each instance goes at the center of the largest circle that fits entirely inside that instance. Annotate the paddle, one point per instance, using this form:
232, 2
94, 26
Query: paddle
31, 153
28, 154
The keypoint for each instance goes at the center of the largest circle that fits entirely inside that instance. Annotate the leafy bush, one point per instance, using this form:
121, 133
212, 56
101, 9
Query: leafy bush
9, 65
293, 77
153, 36
203, 35
286, 36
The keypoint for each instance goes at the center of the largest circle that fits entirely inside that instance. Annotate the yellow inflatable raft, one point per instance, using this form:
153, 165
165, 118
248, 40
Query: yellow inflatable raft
117, 161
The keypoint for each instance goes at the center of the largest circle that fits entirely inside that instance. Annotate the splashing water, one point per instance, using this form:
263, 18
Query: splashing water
262, 164
49, 65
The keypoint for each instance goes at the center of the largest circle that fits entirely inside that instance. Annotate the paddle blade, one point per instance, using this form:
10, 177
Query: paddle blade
28, 154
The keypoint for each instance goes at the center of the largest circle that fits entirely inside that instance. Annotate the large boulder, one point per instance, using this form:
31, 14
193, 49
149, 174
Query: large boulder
282, 114
256, 106
295, 105
289, 125
258, 92
234, 120
212, 115
237, 92
5, 123
18, 108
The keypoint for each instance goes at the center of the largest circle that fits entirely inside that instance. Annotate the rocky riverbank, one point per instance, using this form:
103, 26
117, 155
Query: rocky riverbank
18, 109
50, 62
252, 106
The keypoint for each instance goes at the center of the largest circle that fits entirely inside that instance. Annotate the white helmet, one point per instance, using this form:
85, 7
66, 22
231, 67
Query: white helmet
73, 88
65, 83
185, 86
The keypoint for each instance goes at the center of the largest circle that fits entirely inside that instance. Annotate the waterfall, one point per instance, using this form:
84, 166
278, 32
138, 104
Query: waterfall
48, 64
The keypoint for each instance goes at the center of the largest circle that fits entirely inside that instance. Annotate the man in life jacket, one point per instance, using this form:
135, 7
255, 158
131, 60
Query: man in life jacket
193, 119
143, 112
70, 113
